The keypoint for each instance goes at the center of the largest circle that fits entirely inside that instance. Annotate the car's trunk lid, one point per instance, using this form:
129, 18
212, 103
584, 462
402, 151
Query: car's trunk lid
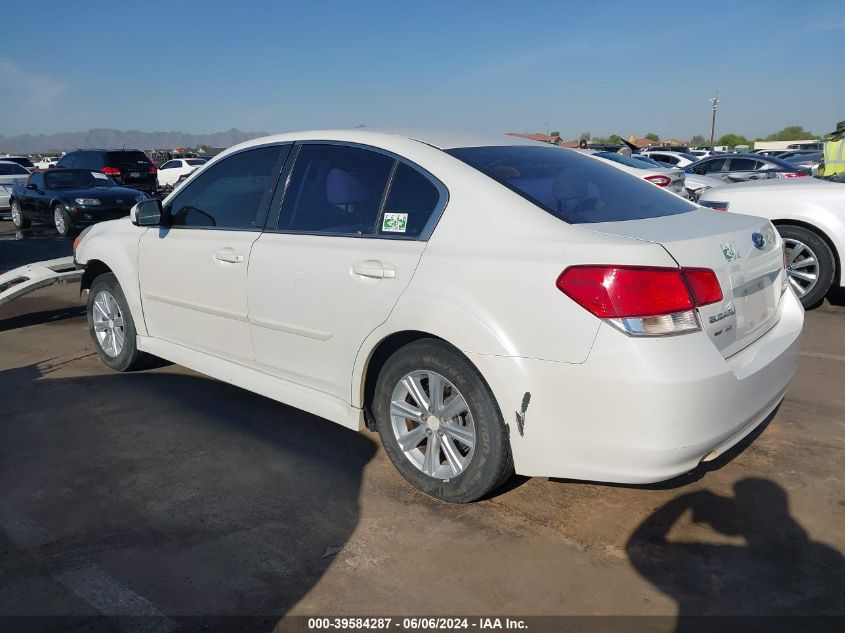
751, 275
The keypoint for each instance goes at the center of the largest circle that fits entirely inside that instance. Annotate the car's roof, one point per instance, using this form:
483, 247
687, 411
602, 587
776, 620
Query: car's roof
441, 139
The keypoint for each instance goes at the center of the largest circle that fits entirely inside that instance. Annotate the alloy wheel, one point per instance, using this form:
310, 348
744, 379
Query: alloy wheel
802, 266
16, 214
432, 423
108, 323
59, 219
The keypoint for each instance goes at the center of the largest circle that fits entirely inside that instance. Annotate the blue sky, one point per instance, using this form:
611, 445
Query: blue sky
604, 67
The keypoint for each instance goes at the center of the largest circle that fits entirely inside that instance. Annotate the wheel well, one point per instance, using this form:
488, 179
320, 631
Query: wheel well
378, 358
93, 269
821, 234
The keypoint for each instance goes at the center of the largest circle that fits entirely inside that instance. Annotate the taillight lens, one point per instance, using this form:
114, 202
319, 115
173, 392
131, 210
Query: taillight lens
791, 174
641, 300
110, 171
704, 286
716, 206
153, 169
660, 181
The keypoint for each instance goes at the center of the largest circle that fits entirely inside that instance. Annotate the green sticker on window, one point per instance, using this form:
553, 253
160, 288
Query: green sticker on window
394, 222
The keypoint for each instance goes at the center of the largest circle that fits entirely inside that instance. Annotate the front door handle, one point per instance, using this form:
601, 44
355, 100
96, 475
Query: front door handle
374, 269
229, 255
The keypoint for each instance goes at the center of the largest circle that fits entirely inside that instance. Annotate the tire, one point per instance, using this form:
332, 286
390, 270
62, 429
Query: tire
61, 220
814, 257
107, 308
473, 449
18, 218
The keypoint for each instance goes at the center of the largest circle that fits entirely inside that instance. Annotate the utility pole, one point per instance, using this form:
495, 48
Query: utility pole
715, 102
547, 128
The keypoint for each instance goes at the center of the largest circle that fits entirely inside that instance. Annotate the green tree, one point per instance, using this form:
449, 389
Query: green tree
615, 139
732, 140
652, 137
585, 136
698, 140
791, 133
555, 133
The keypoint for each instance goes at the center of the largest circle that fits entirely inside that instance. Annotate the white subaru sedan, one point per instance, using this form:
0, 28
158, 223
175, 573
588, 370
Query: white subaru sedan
487, 306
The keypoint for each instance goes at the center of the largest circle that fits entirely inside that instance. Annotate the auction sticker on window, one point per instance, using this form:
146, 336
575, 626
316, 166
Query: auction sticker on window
394, 222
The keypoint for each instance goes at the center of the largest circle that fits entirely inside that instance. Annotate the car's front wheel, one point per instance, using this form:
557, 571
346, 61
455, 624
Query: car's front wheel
810, 265
111, 326
61, 220
440, 424
18, 218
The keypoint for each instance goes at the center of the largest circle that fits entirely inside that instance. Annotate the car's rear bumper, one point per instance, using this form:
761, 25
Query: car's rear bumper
641, 410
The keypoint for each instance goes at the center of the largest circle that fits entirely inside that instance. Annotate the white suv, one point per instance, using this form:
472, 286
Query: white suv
488, 306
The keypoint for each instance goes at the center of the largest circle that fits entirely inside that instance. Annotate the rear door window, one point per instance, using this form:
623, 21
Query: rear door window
710, 166
743, 164
335, 189
409, 205
575, 188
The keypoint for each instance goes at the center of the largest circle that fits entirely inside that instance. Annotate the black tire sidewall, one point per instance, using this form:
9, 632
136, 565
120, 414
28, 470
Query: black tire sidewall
491, 462
129, 355
824, 257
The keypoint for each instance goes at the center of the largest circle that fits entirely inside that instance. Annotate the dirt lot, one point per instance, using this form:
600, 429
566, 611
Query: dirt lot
165, 492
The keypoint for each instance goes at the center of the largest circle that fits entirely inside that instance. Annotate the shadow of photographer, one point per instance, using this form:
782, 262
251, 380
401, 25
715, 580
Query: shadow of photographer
753, 557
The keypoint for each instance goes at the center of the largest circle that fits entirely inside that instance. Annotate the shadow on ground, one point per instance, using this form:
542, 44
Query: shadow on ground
751, 557
203, 498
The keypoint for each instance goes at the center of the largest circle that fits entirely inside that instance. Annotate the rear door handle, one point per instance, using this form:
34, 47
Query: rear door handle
229, 255
374, 269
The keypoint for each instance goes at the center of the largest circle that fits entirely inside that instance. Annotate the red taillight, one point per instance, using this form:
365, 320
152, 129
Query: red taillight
153, 169
704, 285
619, 292
110, 171
613, 292
797, 174
660, 181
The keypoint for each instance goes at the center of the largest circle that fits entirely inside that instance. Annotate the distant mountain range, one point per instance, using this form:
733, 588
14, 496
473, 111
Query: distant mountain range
109, 139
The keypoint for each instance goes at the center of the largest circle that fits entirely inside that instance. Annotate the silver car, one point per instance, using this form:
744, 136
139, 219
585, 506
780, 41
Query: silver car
10, 175
742, 167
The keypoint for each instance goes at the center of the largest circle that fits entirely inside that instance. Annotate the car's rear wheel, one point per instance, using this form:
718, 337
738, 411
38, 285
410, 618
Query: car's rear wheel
111, 325
61, 220
440, 424
18, 219
810, 265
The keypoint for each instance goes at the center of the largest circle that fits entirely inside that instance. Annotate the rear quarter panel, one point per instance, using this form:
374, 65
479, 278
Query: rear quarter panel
486, 281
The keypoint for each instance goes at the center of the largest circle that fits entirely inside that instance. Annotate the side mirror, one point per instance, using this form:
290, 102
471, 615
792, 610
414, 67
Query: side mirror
146, 213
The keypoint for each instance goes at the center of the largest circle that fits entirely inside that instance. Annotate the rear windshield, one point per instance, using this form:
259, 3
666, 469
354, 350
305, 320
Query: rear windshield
195, 161
118, 158
575, 188
76, 179
19, 160
12, 169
